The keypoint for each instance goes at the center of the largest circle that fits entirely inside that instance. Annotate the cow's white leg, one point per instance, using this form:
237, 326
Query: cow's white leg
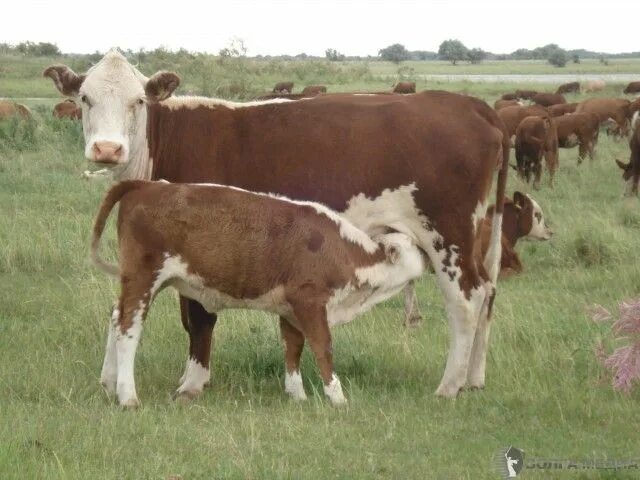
186, 369
293, 385
478, 359
334, 391
412, 317
127, 339
109, 374
196, 376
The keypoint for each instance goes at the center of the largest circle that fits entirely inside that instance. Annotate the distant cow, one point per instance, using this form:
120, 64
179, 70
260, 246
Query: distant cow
536, 137
299, 260
313, 90
593, 86
282, 87
11, 109
512, 116
633, 87
580, 129
548, 99
571, 87
500, 103
617, 109
631, 169
523, 217
526, 94
405, 87
562, 109
509, 96
67, 109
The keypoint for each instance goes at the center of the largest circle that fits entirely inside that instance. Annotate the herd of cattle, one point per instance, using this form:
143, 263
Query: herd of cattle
362, 193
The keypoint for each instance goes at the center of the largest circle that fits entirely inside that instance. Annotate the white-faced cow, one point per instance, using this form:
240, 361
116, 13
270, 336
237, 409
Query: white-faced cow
419, 164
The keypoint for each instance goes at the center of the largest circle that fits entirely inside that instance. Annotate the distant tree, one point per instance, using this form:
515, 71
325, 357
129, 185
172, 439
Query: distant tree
333, 55
576, 58
453, 50
235, 48
603, 60
395, 53
476, 55
558, 58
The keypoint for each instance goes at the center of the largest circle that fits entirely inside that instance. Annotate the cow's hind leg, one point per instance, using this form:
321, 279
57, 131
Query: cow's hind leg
293, 341
109, 374
412, 317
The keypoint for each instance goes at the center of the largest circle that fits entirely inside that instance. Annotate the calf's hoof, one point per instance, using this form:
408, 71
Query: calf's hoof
448, 391
109, 384
413, 322
130, 404
185, 397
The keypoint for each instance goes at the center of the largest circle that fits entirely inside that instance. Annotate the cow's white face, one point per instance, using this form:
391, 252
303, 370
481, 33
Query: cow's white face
539, 229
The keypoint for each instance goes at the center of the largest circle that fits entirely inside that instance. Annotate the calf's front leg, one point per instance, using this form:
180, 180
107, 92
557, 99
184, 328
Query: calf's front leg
293, 341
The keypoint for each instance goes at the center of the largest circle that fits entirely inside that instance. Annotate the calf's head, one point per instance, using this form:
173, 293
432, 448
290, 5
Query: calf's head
404, 260
529, 217
112, 95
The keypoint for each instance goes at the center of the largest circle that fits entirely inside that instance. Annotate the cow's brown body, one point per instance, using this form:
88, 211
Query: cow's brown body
562, 109
512, 116
500, 103
67, 109
11, 109
526, 94
509, 96
631, 169
548, 99
580, 129
536, 137
571, 87
617, 109
313, 90
405, 87
632, 87
282, 87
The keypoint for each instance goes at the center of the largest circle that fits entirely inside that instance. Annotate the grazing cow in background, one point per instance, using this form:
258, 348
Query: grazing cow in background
67, 109
616, 109
571, 87
12, 109
288, 96
418, 151
405, 87
593, 86
509, 96
536, 137
631, 169
282, 87
313, 90
562, 109
548, 99
526, 94
633, 87
512, 116
523, 217
299, 260
506, 103
580, 129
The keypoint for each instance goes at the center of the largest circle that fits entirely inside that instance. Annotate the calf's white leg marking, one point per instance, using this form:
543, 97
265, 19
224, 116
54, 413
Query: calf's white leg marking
109, 374
293, 385
195, 378
478, 358
334, 391
126, 345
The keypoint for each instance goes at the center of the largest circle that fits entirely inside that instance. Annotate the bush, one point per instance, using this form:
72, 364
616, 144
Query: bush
558, 58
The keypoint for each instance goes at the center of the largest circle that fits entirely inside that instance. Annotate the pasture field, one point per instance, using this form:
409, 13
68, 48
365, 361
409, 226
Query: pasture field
546, 392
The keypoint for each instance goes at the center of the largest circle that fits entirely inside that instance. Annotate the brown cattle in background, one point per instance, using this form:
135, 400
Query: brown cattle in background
506, 103
509, 96
512, 116
67, 109
536, 137
631, 169
562, 109
405, 87
633, 87
571, 87
580, 129
313, 90
526, 94
282, 87
10, 109
617, 109
548, 99
593, 86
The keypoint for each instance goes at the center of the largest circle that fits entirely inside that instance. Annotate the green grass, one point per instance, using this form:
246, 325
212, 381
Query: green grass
546, 392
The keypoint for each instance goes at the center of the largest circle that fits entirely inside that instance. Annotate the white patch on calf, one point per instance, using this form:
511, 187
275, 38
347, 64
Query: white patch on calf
109, 374
126, 345
538, 228
293, 385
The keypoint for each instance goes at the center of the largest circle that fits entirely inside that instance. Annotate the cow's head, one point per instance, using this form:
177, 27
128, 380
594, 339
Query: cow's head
531, 222
112, 95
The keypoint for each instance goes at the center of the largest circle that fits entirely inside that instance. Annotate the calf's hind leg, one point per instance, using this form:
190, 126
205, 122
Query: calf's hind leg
293, 341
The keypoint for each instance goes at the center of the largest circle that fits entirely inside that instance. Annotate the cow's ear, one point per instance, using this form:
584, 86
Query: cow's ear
622, 165
392, 251
66, 80
519, 199
160, 86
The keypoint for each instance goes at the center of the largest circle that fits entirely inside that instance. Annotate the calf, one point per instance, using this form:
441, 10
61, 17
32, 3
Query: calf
512, 116
633, 87
535, 137
313, 90
631, 170
67, 109
617, 109
571, 87
593, 86
10, 109
229, 248
578, 129
548, 99
282, 87
562, 109
523, 217
405, 87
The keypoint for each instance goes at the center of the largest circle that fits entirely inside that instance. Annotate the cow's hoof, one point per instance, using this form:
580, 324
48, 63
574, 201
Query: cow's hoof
109, 384
413, 322
338, 402
185, 397
447, 391
130, 404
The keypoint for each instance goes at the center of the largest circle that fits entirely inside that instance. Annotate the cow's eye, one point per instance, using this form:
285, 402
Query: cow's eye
140, 101
85, 100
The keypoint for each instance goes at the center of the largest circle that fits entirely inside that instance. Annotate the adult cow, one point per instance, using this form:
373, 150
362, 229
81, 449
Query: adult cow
405, 87
580, 129
419, 164
10, 109
548, 99
67, 109
571, 87
617, 109
633, 87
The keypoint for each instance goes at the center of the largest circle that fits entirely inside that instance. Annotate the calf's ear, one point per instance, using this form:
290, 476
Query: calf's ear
160, 86
66, 80
622, 165
519, 199
392, 252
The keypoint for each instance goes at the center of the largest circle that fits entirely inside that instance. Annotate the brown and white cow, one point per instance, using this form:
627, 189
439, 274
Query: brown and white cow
562, 109
10, 109
548, 99
405, 87
512, 116
299, 260
580, 129
67, 109
631, 169
387, 162
313, 90
282, 87
593, 86
523, 218
536, 137
571, 87
633, 87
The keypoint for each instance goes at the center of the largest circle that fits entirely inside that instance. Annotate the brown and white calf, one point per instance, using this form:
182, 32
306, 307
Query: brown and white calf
523, 218
536, 137
580, 129
229, 248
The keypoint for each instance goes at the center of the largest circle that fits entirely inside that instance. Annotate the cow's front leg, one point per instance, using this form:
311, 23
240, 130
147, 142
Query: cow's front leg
293, 341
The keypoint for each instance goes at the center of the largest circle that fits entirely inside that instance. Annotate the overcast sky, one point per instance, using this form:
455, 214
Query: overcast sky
351, 27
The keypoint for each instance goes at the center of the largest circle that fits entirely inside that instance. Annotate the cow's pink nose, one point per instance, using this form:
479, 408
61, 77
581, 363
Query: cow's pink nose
107, 152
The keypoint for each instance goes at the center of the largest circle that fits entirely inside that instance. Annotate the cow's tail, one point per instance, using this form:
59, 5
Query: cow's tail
494, 253
113, 196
